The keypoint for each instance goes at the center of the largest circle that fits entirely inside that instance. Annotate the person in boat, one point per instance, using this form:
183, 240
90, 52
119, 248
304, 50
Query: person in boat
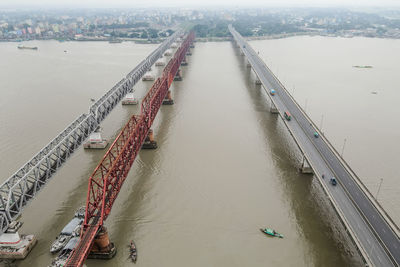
132, 247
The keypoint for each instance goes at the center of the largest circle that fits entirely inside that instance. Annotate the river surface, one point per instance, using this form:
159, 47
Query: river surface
225, 166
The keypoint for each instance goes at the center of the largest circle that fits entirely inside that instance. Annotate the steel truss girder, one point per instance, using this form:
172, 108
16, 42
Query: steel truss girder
24, 184
108, 177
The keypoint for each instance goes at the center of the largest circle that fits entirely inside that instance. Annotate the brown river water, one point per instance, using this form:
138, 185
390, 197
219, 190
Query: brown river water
225, 166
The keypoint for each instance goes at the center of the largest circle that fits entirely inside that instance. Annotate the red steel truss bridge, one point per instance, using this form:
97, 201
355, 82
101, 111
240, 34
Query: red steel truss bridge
109, 176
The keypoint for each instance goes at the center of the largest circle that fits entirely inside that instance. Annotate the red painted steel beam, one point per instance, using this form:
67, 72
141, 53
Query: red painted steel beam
108, 177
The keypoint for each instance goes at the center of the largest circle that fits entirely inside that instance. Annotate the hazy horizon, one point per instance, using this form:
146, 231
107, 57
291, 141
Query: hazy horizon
192, 3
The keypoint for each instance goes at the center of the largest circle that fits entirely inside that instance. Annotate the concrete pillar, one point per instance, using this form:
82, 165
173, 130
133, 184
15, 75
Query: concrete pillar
14, 246
130, 99
178, 76
184, 62
102, 247
248, 64
149, 142
305, 167
273, 109
168, 99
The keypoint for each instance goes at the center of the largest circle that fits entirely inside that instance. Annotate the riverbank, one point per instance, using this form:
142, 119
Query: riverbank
90, 39
200, 39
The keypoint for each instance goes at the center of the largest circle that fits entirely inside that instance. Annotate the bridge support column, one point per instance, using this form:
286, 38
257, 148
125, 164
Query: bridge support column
168, 99
184, 62
149, 142
305, 167
248, 64
129, 99
273, 109
178, 76
13, 245
102, 247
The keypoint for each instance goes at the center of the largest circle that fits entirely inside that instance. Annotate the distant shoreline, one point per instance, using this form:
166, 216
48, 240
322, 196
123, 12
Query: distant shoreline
202, 39
137, 41
282, 36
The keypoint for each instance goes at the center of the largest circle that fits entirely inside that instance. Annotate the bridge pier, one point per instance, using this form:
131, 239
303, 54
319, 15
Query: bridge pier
305, 167
13, 245
149, 142
178, 76
184, 62
248, 63
129, 99
95, 141
102, 247
273, 109
168, 99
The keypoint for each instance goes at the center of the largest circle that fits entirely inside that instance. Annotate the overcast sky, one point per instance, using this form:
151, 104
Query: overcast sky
188, 3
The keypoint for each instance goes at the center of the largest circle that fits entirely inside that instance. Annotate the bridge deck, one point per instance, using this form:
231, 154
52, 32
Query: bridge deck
375, 238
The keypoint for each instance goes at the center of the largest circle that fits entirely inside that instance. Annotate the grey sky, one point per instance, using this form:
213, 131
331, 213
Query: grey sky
163, 3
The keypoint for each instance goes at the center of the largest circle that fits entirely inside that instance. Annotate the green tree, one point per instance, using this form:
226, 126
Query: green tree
144, 35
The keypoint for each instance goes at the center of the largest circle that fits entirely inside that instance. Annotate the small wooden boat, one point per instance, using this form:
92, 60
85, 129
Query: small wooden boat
133, 251
271, 232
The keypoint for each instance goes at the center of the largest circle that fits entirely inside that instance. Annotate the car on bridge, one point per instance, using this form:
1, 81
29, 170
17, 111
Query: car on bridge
272, 92
316, 134
287, 116
333, 181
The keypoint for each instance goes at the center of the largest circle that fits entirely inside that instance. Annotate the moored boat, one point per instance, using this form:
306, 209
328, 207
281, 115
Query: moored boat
62, 258
363, 66
133, 251
80, 212
59, 243
71, 230
271, 232
27, 47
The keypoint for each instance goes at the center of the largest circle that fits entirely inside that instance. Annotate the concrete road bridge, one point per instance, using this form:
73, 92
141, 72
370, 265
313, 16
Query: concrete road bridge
375, 235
